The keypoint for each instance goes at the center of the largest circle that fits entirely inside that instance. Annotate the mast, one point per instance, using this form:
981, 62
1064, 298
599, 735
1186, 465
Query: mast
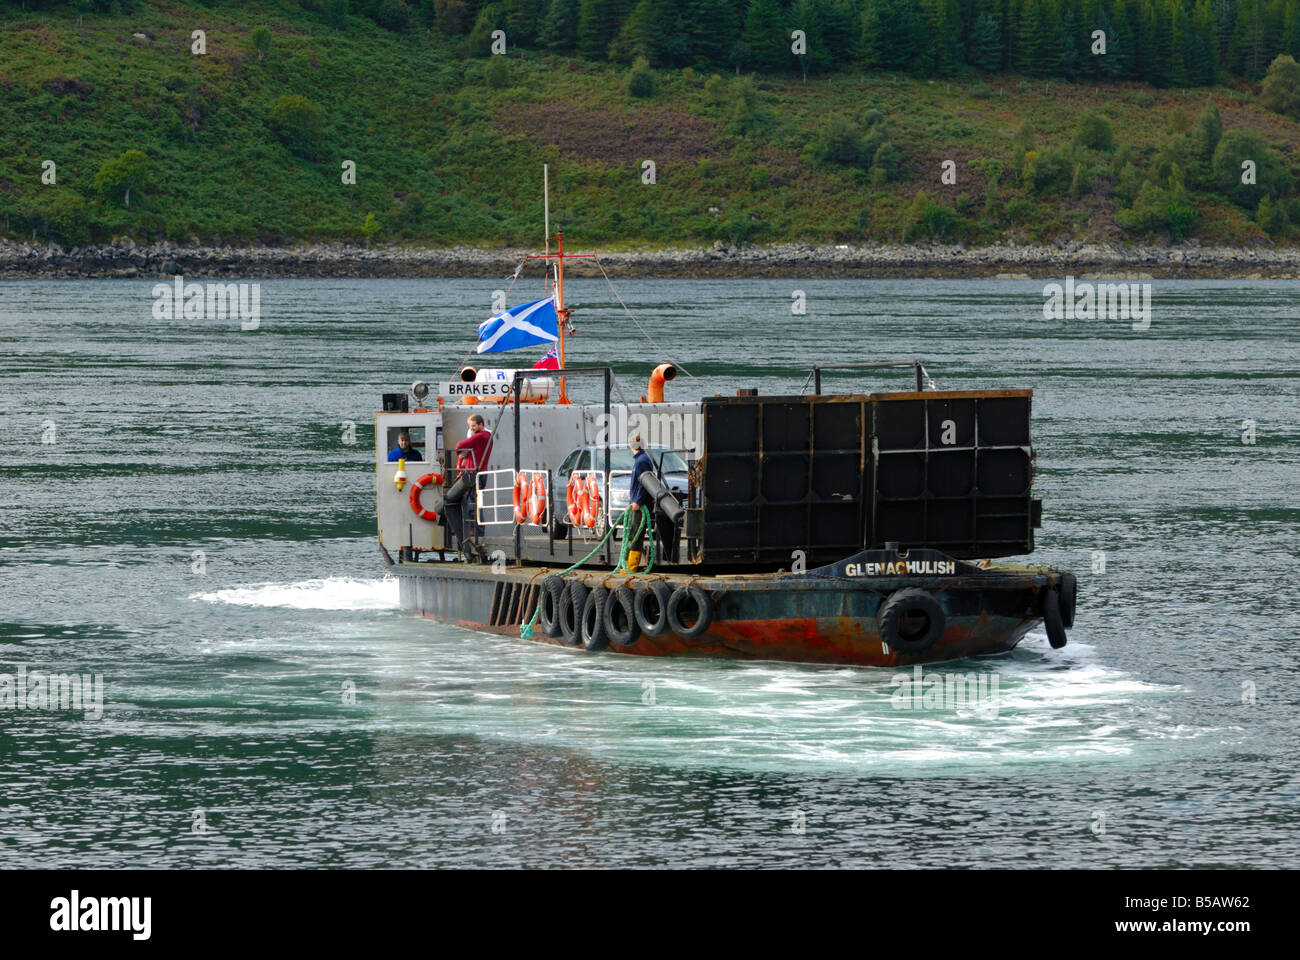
559, 298
561, 314
559, 274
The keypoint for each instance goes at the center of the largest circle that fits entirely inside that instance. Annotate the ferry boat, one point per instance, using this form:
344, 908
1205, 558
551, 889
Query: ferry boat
844, 528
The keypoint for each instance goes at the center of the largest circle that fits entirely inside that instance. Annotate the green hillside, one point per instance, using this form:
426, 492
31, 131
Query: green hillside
241, 143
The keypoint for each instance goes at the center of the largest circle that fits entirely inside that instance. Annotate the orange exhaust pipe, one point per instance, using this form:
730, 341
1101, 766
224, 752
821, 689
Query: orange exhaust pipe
661, 374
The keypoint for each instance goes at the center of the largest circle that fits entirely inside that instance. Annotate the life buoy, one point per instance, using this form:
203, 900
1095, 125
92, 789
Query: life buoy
911, 620
537, 500
688, 597
574, 494
428, 480
591, 503
520, 496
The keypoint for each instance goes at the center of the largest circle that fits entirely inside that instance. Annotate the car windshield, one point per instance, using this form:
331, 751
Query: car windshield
621, 457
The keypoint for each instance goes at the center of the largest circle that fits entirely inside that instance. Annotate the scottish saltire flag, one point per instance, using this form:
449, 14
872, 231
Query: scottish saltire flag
550, 361
523, 326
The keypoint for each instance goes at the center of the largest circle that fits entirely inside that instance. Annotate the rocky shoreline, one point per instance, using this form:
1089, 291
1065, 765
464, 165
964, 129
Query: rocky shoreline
124, 259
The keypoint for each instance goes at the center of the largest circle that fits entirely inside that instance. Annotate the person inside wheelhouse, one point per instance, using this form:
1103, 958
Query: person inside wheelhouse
404, 450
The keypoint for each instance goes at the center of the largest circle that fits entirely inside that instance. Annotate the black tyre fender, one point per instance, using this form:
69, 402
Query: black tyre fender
574, 599
1052, 618
552, 595
686, 596
902, 603
620, 617
1069, 589
594, 636
651, 608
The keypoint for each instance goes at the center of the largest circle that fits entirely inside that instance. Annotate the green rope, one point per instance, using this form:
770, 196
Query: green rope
526, 629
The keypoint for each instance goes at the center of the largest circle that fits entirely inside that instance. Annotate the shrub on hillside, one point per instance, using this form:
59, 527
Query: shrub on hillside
497, 72
260, 39
299, 124
1093, 132
641, 79
1271, 216
479, 41
1158, 209
715, 89
1280, 91
840, 142
1229, 165
926, 219
743, 114
122, 175
1192, 150
1022, 144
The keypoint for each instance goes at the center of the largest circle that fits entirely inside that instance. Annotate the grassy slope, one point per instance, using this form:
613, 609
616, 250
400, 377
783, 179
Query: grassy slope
417, 121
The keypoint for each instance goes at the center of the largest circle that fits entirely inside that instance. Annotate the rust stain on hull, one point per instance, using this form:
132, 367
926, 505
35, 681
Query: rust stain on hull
805, 640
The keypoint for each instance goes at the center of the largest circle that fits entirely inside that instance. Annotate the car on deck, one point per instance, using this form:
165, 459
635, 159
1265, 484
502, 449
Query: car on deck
668, 464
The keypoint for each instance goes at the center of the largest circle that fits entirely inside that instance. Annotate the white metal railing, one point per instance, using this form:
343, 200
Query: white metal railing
495, 499
496, 496
620, 482
620, 493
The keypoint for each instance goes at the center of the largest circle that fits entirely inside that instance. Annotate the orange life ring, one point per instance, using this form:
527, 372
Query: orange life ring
573, 498
537, 500
591, 503
520, 496
429, 479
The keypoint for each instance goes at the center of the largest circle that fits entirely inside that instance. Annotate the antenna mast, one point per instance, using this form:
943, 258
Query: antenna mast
561, 314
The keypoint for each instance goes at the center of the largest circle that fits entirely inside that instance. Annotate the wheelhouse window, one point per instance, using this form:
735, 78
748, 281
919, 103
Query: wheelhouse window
417, 435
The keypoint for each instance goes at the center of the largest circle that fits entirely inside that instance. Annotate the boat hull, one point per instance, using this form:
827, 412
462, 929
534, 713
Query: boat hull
798, 618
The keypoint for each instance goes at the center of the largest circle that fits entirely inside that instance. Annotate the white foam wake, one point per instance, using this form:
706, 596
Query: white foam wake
330, 593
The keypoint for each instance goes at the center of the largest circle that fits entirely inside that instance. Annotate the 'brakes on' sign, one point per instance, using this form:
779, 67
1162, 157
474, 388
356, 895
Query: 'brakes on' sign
481, 388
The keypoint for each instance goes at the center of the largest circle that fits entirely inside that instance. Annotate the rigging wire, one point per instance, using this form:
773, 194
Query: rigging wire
628, 311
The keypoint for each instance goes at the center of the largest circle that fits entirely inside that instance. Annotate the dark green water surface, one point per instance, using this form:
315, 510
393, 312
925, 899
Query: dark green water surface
1165, 734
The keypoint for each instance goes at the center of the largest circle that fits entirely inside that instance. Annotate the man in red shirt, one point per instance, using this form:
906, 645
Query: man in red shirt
478, 445
471, 456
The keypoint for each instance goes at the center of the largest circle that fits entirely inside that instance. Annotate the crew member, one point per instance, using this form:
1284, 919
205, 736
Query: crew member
478, 444
638, 497
404, 450
471, 456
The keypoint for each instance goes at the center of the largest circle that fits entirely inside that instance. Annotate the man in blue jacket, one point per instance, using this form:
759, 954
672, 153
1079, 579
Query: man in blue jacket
638, 497
404, 450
